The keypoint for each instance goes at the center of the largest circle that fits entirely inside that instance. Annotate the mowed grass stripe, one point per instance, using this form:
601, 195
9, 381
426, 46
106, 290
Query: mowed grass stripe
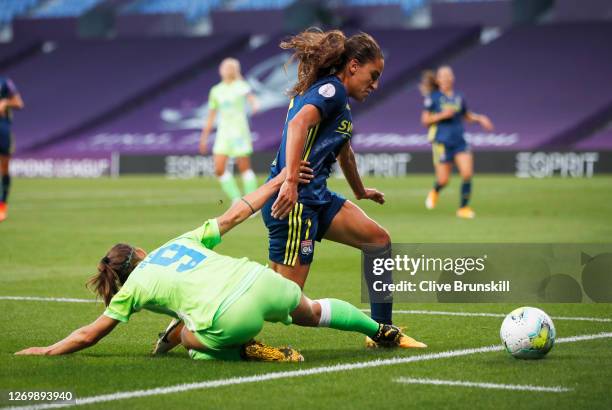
396, 312
292, 374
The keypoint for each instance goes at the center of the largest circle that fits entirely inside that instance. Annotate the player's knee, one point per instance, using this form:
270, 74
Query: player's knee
442, 181
382, 237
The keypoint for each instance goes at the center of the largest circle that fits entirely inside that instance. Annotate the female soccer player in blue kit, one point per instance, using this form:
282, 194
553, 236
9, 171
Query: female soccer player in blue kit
444, 113
9, 101
318, 129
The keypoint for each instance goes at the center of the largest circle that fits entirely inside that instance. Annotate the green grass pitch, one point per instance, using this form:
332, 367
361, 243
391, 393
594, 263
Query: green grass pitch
58, 229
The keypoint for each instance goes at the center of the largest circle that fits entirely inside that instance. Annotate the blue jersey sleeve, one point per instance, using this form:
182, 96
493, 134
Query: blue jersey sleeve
430, 103
464, 108
329, 98
8, 89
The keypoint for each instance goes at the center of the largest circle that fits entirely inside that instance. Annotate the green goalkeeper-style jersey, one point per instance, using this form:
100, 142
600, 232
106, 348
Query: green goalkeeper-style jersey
229, 99
186, 279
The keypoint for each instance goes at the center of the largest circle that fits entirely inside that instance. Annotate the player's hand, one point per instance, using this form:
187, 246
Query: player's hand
447, 113
486, 123
33, 351
306, 173
287, 197
3, 106
373, 195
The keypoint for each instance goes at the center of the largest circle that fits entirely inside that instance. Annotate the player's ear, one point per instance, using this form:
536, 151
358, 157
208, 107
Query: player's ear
353, 66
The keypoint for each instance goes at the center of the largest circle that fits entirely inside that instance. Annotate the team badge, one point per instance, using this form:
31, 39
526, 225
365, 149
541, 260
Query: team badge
327, 90
306, 247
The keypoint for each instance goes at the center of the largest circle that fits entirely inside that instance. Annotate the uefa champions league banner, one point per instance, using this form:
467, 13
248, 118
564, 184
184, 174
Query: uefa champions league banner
491, 273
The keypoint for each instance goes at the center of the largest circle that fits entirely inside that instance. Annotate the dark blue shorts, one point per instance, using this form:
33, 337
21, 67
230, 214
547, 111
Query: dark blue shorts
6, 139
295, 235
445, 153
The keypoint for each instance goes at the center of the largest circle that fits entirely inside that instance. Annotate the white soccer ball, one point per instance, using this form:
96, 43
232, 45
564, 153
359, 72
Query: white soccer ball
527, 333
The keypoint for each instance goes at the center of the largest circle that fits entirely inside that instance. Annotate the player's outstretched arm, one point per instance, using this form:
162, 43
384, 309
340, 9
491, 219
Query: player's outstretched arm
78, 340
480, 119
348, 164
253, 202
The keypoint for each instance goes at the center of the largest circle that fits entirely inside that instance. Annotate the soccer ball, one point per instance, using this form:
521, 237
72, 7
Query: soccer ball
527, 333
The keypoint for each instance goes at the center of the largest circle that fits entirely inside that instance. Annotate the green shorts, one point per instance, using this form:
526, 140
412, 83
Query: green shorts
233, 146
271, 298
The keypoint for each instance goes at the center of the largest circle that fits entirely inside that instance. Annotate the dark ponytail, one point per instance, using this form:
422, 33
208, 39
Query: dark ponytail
113, 271
322, 53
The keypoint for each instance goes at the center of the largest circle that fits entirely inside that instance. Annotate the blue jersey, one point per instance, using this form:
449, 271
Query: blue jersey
324, 141
449, 131
7, 90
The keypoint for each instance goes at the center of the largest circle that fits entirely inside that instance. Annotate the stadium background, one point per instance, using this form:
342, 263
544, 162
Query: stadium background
117, 87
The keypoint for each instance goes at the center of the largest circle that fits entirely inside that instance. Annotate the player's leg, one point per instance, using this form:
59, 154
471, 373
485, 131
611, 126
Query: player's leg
442, 169
465, 165
340, 315
249, 180
351, 226
6, 184
226, 178
291, 241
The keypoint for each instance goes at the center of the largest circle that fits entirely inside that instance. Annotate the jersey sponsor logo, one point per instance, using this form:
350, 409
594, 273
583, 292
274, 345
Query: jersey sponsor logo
327, 90
306, 247
427, 102
345, 127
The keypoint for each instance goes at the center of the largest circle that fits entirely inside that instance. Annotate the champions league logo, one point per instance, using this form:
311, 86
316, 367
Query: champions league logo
268, 79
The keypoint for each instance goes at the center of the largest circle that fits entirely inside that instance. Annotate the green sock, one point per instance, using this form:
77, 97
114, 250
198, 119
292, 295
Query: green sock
223, 354
341, 315
229, 186
249, 181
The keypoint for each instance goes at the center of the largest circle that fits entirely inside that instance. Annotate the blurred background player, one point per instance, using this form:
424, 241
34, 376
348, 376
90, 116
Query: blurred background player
233, 137
9, 100
318, 129
444, 113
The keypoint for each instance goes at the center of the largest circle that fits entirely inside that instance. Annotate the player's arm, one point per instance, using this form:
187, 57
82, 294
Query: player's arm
253, 102
13, 101
208, 125
348, 164
251, 203
429, 118
80, 339
297, 131
479, 119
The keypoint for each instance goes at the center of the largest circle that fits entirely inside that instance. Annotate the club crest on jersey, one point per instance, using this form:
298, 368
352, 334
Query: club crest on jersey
306, 247
327, 90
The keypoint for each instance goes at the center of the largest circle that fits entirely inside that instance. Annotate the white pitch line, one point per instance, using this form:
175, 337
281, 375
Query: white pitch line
399, 312
479, 314
289, 374
522, 387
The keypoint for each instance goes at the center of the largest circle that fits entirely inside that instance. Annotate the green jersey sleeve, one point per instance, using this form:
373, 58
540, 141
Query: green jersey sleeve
208, 234
213, 103
123, 304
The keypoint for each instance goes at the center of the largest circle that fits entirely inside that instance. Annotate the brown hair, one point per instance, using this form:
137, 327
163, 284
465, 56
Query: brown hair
428, 82
322, 53
113, 271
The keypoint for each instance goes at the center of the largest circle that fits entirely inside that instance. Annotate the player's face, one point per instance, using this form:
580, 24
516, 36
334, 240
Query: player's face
445, 78
364, 78
228, 71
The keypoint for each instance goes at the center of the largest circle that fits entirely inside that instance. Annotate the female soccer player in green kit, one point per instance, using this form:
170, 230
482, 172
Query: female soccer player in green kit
219, 303
233, 139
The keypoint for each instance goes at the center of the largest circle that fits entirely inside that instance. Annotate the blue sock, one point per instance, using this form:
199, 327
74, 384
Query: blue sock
6, 185
466, 191
438, 187
380, 312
